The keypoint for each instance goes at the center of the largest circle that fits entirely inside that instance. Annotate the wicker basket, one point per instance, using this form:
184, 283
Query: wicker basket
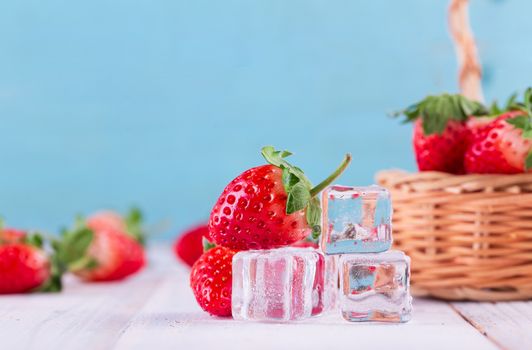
469, 236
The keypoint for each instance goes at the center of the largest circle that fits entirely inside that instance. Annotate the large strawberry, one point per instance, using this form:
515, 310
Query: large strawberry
97, 253
188, 247
440, 133
211, 281
268, 206
504, 145
26, 267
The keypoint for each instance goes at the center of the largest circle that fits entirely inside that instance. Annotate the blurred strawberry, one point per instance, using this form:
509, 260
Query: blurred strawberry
106, 219
100, 253
440, 133
503, 145
211, 281
26, 267
11, 235
188, 247
131, 223
500, 147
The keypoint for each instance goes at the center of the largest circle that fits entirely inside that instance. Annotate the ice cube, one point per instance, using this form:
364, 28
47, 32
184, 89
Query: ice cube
356, 220
331, 282
375, 287
284, 284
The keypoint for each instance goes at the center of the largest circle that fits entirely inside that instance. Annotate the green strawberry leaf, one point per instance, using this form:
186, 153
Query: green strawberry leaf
528, 101
314, 217
527, 134
289, 179
520, 122
72, 248
300, 193
34, 239
277, 158
437, 111
298, 198
84, 263
207, 245
528, 160
495, 109
134, 228
523, 122
511, 103
54, 283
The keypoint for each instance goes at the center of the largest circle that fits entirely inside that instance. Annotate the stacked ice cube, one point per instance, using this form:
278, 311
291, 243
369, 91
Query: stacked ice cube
357, 271
284, 284
374, 281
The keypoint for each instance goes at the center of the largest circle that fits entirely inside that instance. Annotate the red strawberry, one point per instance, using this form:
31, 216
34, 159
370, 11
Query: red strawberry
305, 243
11, 235
211, 281
499, 147
440, 133
131, 223
477, 127
189, 245
107, 219
25, 267
22, 268
268, 206
100, 254
441, 152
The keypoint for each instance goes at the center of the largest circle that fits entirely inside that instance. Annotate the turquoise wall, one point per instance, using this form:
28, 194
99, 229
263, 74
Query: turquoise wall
162, 102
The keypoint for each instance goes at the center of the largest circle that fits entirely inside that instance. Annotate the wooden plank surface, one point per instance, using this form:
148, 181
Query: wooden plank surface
172, 319
509, 325
84, 316
156, 310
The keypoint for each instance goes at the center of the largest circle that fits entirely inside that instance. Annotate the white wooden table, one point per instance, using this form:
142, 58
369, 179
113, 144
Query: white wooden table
156, 310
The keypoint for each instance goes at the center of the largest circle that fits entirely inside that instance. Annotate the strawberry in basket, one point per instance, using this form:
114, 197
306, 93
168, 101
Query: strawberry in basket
441, 134
502, 145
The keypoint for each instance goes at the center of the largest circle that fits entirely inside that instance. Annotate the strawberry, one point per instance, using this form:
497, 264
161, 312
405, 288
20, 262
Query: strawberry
268, 206
106, 219
25, 267
500, 147
211, 281
131, 223
11, 235
440, 134
503, 145
477, 127
305, 244
188, 247
96, 253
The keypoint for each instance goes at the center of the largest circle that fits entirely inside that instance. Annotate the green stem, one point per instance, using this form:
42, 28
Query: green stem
319, 187
82, 264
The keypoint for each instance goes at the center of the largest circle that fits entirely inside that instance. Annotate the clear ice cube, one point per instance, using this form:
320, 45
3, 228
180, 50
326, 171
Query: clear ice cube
356, 220
375, 287
331, 282
278, 285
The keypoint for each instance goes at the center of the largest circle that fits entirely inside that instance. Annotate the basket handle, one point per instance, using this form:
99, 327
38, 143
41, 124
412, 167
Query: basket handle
470, 72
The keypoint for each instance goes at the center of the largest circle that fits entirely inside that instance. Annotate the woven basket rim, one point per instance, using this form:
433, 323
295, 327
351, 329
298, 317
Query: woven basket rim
428, 181
469, 236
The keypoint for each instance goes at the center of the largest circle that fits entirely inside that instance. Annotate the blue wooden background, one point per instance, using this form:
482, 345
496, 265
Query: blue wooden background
162, 102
